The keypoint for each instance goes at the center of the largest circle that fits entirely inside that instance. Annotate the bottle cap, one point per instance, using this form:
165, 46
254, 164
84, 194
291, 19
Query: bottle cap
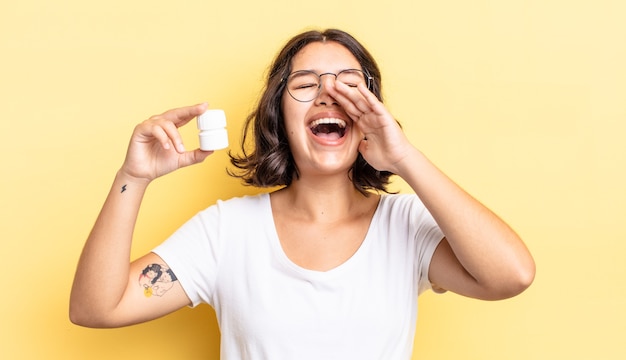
212, 119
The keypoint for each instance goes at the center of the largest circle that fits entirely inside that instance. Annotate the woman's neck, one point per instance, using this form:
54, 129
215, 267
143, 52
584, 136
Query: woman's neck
323, 198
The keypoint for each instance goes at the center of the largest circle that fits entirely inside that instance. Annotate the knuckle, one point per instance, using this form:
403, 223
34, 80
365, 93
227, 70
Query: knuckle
154, 119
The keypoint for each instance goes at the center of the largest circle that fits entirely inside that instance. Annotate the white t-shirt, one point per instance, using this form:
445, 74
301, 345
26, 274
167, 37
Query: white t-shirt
230, 257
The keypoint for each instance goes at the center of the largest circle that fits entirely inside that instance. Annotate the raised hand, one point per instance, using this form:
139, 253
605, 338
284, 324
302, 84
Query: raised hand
384, 145
156, 147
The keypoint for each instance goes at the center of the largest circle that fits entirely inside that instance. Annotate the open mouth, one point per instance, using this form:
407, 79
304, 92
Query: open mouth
329, 128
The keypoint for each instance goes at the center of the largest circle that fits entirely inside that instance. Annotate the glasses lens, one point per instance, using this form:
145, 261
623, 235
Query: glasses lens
352, 77
303, 85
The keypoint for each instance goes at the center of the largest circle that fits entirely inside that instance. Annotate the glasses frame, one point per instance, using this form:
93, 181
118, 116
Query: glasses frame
366, 76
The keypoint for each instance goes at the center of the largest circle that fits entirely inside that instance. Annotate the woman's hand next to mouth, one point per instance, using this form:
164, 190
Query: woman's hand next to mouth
384, 145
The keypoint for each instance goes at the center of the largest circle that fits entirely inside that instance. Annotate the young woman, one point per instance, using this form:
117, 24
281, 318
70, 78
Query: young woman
327, 267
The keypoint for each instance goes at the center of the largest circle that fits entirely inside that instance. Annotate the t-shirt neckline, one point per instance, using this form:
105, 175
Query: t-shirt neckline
283, 259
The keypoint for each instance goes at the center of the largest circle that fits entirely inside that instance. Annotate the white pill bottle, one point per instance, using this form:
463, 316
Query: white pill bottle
212, 126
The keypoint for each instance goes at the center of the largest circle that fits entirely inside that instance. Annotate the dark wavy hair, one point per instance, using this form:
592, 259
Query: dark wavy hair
270, 163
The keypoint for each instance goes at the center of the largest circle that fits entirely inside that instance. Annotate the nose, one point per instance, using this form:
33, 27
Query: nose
324, 98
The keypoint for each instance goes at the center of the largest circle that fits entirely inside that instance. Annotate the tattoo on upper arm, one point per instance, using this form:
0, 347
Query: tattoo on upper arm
156, 279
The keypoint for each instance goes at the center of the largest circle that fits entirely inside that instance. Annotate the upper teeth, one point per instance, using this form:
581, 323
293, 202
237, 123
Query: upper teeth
339, 122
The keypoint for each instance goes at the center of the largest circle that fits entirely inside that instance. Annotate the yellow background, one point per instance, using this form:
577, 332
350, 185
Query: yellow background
521, 102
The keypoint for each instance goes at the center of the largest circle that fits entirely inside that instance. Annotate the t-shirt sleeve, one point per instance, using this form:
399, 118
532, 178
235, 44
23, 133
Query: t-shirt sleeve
192, 252
427, 236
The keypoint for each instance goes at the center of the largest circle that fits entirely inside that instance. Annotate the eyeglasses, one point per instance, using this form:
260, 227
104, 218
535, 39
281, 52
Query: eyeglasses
306, 85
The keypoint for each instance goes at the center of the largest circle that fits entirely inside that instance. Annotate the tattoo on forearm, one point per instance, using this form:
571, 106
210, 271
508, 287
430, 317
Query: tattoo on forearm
123, 188
156, 279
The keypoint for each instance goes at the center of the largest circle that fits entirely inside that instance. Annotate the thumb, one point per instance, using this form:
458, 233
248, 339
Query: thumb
194, 157
363, 145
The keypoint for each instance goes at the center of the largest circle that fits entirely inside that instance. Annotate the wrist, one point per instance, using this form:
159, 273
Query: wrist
125, 181
409, 163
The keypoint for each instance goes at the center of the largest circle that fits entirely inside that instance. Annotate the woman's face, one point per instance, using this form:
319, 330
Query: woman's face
322, 137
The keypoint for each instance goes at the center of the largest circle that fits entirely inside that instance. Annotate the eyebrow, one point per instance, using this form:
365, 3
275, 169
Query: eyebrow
327, 72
